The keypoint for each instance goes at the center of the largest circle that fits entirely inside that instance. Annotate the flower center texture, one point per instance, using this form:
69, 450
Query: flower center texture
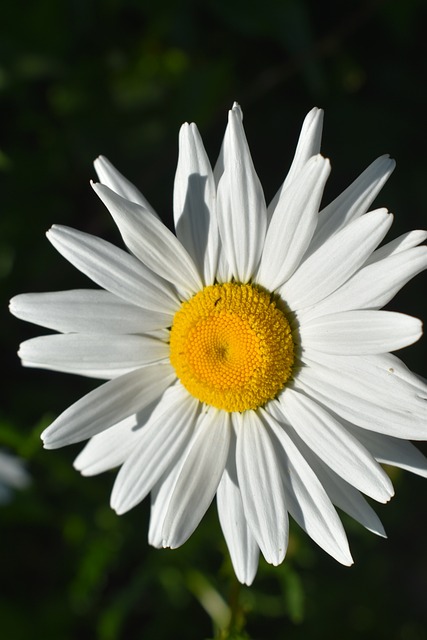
231, 346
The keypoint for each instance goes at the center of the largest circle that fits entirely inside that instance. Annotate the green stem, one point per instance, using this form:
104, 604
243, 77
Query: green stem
235, 628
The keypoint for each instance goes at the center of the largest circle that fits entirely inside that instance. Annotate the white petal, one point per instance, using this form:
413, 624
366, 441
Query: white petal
242, 216
395, 367
366, 393
195, 203
160, 499
110, 403
151, 242
341, 493
110, 448
244, 551
92, 355
375, 285
354, 201
336, 260
223, 273
392, 451
219, 166
341, 451
307, 147
293, 224
160, 443
307, 501
113, 179
114, 269
86, 311
261, 486
402, 243
198, 479
349, 500
360, 332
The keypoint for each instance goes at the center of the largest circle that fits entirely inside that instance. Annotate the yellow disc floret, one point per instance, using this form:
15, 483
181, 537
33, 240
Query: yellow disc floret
231, 346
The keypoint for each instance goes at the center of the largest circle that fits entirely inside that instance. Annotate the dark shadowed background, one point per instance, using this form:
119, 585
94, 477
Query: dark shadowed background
118, 77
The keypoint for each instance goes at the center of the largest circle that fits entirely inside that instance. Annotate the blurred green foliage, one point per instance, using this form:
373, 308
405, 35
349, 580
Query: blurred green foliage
118, 77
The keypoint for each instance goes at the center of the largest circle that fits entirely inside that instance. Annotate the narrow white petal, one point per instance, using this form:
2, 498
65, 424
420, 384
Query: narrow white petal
293, 224
161, 495
336, 260
360, 332
349, 500
244, 551
392, 451
341, 493
92, 355
114, 269
110, 403
366, 393
195, 203
309, 142
151, 242
395, 383
375, 285
354, 201
223, 273
395, 367
113, 179
160, 443
242, 216
261, 486
402, 243
198, 479
340, 450
307, 500
86, 311
219, 166
110, 448
307, 147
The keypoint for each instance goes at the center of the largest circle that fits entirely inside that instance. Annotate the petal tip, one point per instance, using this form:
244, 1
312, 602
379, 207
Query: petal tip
235, 112
117, 506
49, 445
13, 305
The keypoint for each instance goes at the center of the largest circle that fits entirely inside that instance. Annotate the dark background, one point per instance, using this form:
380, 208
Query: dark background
118, 77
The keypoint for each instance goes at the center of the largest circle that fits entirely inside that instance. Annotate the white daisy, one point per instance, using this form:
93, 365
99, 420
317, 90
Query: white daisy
13, 475
246, 356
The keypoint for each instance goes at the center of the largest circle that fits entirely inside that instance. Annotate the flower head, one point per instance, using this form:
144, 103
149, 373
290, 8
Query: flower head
246, 356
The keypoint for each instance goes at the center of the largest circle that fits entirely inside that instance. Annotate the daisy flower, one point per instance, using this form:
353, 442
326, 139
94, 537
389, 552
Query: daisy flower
246, 357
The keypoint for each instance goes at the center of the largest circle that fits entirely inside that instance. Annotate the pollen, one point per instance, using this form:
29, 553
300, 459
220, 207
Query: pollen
232, 347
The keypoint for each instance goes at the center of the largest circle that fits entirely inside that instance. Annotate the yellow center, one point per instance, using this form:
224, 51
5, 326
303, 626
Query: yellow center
231, 346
